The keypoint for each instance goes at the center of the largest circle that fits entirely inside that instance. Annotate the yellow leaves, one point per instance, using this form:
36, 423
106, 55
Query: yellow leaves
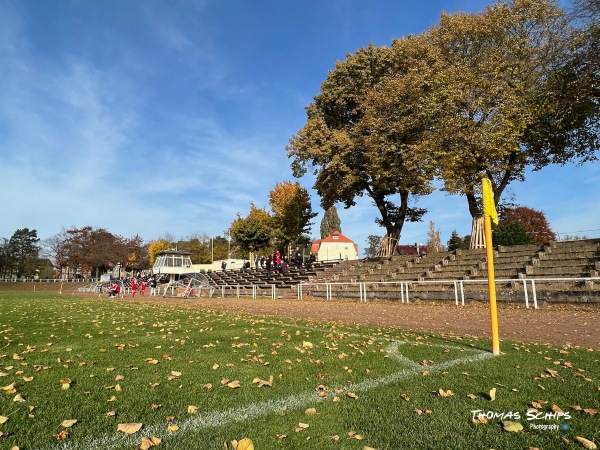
151, 361
471, 396
306, 344
149, 442
244, 444
3, 419
480, 419
262, 383
18, 399
191, 409
64, 434
405, 397
355, 435
512, 427
215, 366
234, 384
174, 375
301, 427
352, 395
311, 412
68, 423
65, 383
9, 389
443, 393
129, 428
586, 443
172, 428
492, 394
557, 409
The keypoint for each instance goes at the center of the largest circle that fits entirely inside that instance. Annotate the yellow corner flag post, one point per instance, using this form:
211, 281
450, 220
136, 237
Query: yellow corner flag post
490, 216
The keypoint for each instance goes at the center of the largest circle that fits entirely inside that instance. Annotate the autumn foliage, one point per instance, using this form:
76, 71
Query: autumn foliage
532, 220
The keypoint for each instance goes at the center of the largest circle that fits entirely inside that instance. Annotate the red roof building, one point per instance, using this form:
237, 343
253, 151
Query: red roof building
336, 246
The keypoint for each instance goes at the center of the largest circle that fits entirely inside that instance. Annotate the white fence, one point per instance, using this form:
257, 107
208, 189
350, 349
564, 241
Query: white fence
362, 287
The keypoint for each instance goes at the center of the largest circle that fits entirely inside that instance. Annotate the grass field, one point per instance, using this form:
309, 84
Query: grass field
197, 379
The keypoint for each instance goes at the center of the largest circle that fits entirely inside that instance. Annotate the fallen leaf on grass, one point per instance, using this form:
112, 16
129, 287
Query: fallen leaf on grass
3, 419
512, 427
172, 428
311, 412
68, 423
244, 444
405, 397
352, 395
481, 419
301, 427
192, 409
472, 396
586, 443
149, 442
493, 394
18, 399
234, 384
65, 383
443, 393
262, 383
129, 428
62, 435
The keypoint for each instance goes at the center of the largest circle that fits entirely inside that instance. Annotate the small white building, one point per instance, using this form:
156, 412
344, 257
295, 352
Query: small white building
336, 246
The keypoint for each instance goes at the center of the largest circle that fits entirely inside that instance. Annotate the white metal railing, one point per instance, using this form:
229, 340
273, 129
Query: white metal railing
49, 280
459, 291
254, 290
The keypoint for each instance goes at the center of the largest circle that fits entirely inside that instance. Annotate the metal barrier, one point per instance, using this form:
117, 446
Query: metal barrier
459, 291
255, 290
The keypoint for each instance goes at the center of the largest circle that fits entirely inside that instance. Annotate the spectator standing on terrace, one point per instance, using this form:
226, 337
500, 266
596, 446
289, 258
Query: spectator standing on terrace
152, 287
223, 266
269, 264
297, 257
277, 259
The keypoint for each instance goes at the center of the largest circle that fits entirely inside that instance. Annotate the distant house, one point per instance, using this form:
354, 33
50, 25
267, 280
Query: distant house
334, 247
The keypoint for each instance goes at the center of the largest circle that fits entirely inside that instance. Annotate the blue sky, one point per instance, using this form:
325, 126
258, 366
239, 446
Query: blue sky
169, 117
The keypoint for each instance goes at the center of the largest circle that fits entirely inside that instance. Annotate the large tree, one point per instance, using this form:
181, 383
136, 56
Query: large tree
22, 251
343, 150
533, 222
499, 98
292, 214
252, 233
97, 250
331, 222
